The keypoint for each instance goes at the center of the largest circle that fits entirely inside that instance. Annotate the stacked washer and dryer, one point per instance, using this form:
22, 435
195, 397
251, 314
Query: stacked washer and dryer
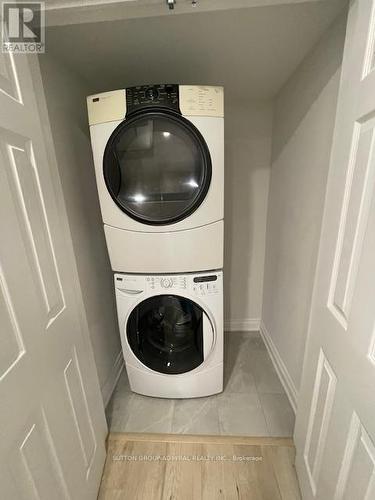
159, 164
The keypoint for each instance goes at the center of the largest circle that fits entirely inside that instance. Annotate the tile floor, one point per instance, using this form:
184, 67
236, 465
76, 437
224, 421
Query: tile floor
253, 403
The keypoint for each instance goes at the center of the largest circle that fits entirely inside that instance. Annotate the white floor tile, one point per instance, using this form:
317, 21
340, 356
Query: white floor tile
266, 378
123, 383
196, 416
118, 410
239, 379
241, 414
279, 414
149, 414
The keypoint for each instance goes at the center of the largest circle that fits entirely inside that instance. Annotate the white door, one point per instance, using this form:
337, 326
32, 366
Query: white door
335, 429
52, 425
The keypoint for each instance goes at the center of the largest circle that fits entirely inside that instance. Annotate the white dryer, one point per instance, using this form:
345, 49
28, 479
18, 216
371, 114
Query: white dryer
159, 163
171, 329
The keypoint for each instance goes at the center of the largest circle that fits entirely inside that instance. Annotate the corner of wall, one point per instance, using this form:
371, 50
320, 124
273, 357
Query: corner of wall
109, 385
280, 366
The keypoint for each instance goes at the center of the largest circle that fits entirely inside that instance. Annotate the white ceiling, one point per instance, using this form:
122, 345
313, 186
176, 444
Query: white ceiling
251, 51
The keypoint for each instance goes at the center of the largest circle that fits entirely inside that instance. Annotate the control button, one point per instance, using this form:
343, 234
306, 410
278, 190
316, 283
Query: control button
152, 93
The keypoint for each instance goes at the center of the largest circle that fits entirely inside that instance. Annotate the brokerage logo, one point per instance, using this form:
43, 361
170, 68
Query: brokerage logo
23, 27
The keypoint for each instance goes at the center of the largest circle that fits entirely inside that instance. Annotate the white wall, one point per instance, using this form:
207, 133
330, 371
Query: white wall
248, 128
302, 136
251, 52
66, 94
303, 121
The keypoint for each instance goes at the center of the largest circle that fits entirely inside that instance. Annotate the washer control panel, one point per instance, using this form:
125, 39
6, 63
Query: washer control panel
208, 284
204, 284
195, 284
167, 283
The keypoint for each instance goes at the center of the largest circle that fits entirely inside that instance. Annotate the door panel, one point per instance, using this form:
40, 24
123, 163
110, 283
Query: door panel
24, 184
359, 188
335, 427
319, 418
12, 347
36, 463
75, 391
357, 473
9, 84
52, 417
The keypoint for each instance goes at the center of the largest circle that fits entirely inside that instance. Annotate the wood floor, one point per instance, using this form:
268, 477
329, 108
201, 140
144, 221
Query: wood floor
181, 467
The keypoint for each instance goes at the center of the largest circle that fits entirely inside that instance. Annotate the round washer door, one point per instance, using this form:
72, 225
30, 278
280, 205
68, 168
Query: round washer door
157, 167
170, 334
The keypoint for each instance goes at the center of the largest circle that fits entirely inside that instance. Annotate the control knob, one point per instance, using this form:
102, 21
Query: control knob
166, 282
152, 93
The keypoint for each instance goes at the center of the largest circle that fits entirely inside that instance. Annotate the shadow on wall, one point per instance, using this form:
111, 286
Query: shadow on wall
237, 243
314, 73
248, 129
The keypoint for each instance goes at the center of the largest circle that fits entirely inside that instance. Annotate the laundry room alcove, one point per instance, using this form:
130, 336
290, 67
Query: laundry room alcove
279, 65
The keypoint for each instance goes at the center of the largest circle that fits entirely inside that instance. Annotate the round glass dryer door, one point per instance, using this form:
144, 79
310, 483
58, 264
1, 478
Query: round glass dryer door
157, 167
169, 334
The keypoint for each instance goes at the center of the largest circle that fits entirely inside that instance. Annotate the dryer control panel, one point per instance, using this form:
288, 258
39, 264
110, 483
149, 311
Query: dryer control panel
163, 95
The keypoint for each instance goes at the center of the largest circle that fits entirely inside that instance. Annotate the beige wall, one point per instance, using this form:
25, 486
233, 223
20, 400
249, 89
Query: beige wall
248, 128
66, 97
302, 136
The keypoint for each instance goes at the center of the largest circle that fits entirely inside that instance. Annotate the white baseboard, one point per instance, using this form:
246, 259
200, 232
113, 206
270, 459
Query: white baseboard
281, 369
111, 382
242, 325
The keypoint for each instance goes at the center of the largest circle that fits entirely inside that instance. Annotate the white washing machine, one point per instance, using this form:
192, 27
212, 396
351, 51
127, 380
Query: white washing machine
159, 163
171, 330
